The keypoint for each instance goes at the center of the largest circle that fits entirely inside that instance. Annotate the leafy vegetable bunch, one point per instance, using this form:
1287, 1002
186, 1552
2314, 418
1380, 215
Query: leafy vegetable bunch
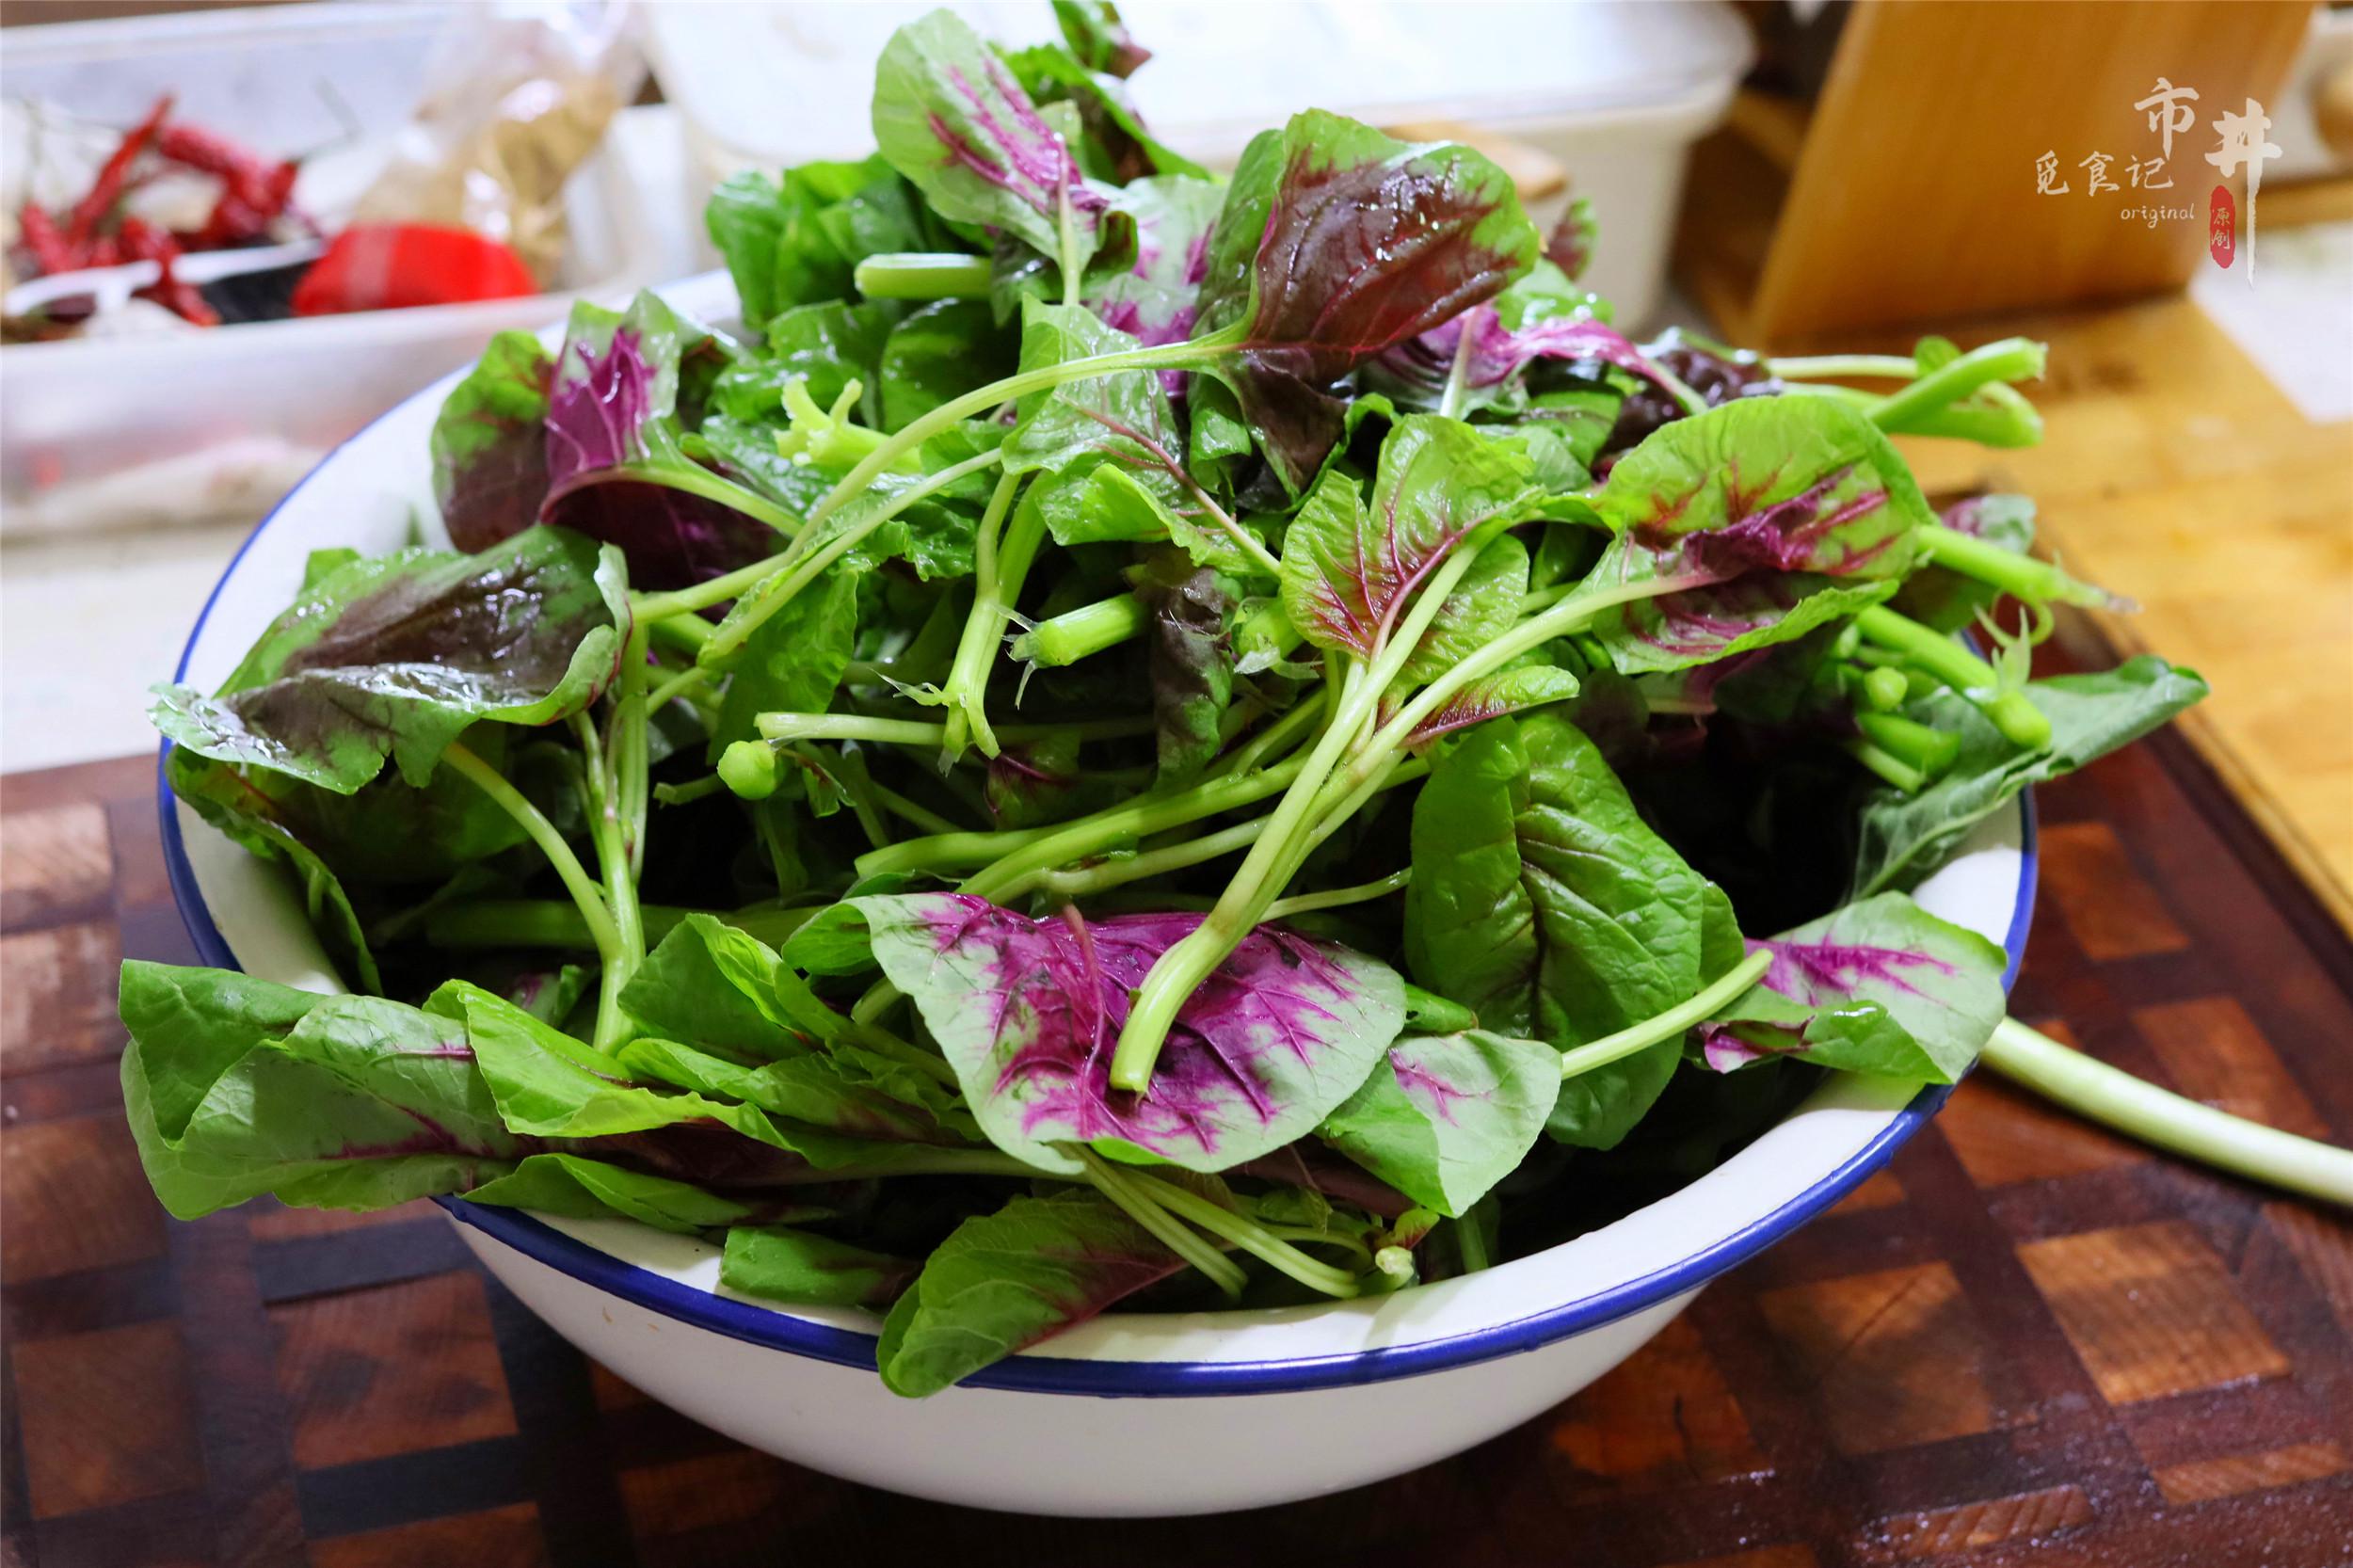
1135, 737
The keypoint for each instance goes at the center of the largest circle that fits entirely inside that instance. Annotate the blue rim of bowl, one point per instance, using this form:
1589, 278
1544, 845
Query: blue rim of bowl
1038, 1375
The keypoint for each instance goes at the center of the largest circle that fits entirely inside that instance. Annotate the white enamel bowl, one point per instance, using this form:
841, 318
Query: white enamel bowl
1128, 1414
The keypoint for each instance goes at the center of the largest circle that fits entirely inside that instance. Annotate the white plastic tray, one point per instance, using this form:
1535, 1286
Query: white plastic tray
109, 432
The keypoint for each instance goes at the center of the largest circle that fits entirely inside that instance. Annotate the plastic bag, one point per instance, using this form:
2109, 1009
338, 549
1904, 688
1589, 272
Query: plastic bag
519, 96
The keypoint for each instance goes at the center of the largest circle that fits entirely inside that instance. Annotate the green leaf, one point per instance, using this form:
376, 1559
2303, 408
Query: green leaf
584, 1189
547, 1085
793, 663
1878, 986
1113, 444
393, 657
798, 239
1543, 902
234, 1088
1904, 838
1448, 1116
828, 344
798, 1266
225, 798
808, 1089
938, 354
716, 986
1001, 1281
1483, 606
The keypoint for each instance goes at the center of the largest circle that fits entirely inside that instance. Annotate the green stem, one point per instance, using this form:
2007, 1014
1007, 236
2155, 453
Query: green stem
542, 832
923, 275
1363, 892
1926, 748
1140, 818
679, 685
777, 590
1247, 1234
2009, 359
997, 584
922, 733
1186, 963
2012, 572
2092, 1089
1088, 881
1083, 633
689, 476
1173, 356
1122, 1189
907, 810
1843, 367
2010, 712
547, 923
685, 633
1470, 1241
1458, 376
1894, 770
1670, 1024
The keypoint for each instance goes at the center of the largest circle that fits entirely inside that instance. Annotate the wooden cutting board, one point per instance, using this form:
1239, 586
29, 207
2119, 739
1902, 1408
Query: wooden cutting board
2026, 1342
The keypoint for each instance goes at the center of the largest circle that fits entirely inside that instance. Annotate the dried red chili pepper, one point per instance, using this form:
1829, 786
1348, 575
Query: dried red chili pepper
143, 242
47, 245
106, 189
254, 190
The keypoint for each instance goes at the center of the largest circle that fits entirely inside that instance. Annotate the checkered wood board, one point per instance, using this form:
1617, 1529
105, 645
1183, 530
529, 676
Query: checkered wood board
2025, 1342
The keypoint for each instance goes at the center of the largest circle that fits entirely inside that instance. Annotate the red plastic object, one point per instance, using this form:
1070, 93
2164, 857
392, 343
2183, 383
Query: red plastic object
386, 267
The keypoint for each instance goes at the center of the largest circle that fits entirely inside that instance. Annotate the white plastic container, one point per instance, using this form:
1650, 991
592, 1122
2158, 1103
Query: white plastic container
126, 430
1615, 91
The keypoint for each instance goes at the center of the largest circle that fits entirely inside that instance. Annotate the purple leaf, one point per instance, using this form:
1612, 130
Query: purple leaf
489, 445
1027, 1012
1498, 353
1336, 243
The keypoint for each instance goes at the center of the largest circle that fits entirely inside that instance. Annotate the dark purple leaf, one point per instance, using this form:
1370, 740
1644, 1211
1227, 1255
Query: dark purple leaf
1338, 242
489, 445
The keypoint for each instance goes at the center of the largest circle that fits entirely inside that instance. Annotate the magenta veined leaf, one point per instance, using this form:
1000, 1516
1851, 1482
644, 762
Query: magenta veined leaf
1498, 352
1880, 987
1704, 626
1349, 569
1028, 1011
948, 115
1491, 697
1338, 242
1158, 300
1780, 483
